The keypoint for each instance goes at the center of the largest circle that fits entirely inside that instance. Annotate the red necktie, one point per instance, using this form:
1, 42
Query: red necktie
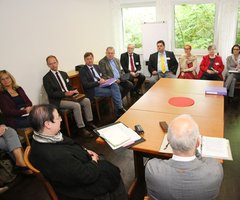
60, 82
132, 64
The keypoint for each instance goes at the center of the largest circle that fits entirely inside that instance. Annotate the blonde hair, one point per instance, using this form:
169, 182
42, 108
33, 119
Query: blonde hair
14, 84
188, 45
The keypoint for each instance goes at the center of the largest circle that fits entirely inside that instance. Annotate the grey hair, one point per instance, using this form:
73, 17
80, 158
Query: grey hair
110, 48
187, 140
212, 46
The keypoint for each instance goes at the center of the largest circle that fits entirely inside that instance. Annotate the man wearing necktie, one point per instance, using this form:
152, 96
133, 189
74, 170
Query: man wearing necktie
162, 64
130, 62
111, 68
91, 78
57, 86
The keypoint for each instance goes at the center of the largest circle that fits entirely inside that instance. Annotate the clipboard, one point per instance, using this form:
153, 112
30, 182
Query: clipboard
132, 138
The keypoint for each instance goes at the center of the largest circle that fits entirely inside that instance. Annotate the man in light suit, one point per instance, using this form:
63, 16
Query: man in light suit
111, 68
91, 78
130, 62
57, 86
184, 176
162, 64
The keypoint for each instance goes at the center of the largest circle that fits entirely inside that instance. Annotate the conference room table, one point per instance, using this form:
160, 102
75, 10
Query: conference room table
153, 107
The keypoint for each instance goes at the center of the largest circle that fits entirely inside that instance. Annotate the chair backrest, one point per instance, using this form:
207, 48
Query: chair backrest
43, 97
47, 185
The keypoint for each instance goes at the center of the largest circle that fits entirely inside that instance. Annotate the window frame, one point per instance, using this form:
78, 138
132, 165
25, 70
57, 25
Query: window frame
135, 5
215, 36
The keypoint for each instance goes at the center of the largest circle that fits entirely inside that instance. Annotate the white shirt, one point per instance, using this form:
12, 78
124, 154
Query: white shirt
183, 159
63, 82
129, 63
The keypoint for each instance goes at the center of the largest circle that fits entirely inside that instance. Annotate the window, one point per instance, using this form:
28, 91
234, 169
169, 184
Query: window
238, 26
133, 18
194, 24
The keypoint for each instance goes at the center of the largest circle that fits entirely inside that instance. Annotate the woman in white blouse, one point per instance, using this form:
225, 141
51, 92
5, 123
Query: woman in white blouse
233, 67
188, 64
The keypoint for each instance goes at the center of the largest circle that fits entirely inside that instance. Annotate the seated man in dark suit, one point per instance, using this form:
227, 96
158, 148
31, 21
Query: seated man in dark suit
57, 86
162, 64
91, 78
184, 176
111, 68
74, 171
130, 62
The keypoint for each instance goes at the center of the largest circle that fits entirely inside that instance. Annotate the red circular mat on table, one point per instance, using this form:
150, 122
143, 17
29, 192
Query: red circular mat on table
181, 101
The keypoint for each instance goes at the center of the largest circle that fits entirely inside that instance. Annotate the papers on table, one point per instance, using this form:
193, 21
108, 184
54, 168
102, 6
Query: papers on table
210, 147
215, 148
118, 135
216, 90
108, 82
233, 71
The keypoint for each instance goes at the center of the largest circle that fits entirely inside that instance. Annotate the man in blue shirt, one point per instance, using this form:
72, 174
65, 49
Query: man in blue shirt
111, 68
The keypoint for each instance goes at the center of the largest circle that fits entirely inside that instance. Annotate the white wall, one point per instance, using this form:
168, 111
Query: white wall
33, 29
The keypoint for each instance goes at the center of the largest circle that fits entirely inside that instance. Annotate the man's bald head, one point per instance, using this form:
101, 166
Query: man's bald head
183, 134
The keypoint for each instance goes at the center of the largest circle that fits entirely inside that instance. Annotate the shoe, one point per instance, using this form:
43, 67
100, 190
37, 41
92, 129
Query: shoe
23, 170
91, 125
136, 92
120, 112
85, 133
3, 189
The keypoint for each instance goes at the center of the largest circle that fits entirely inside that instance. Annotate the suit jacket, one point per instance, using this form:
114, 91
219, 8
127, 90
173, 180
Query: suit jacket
107, 69
194, 180
71, 171
124, 60
53, 89
218, 65
171, 61
9, 108
88, 81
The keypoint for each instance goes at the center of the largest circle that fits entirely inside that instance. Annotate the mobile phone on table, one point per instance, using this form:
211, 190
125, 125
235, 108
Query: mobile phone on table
164, 126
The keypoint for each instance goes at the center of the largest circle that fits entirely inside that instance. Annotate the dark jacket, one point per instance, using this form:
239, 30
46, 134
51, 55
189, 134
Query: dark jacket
87, 80
171, 61
125, 61
53, 89
71, 171
9, 108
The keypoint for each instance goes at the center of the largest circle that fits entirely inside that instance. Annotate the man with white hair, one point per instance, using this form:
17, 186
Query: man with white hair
184, 176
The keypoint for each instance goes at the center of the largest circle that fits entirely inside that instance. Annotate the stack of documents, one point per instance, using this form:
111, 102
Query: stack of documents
216, 90
210, 147
108, 82
118, 135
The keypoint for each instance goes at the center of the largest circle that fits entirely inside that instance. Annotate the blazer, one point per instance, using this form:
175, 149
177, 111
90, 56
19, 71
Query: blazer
107, 69
218, 65
124, 60
87, 80
53, 89
9, 108
71, 171
194, 180
231, 64
172, 62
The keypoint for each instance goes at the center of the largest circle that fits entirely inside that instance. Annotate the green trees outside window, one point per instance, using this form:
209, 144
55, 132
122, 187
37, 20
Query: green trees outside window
194, 24
133, 18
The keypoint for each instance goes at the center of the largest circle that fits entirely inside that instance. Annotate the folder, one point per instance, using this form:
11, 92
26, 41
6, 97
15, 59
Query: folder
118, 135
108, 82
211, 147
216, 90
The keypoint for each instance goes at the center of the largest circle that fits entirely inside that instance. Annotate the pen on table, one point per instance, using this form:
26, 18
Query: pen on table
166, 146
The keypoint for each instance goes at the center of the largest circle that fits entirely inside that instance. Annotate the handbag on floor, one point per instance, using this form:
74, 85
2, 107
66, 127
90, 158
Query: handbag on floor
7, 174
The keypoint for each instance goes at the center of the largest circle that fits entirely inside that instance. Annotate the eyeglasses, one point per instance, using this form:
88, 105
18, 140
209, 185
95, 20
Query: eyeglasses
59, 118
6, 78
236, 49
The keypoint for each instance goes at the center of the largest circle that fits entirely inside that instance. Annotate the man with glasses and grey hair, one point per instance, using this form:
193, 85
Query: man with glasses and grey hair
184, 176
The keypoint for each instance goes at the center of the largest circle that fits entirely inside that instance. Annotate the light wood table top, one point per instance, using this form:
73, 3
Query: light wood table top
153, 133
156, 99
